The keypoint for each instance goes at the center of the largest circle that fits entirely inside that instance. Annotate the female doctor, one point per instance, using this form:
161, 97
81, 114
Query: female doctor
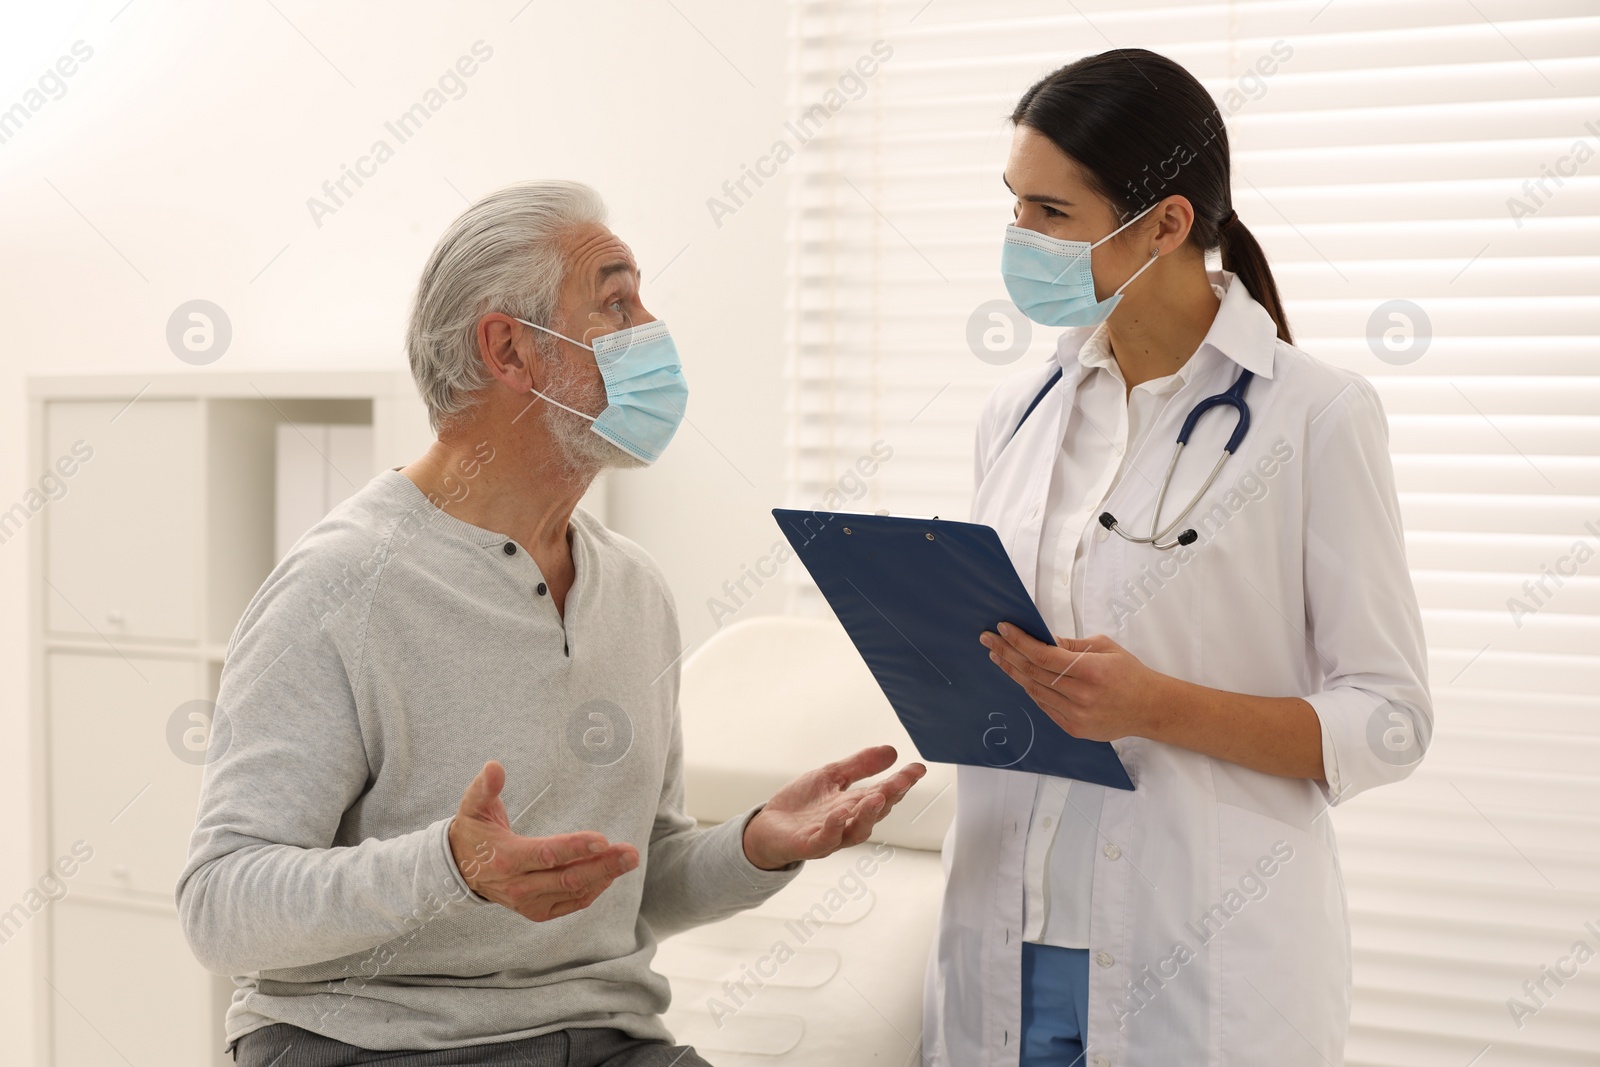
1253, 656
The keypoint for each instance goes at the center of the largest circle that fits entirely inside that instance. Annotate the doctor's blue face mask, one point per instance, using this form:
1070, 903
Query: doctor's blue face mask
1050, 279
645, 389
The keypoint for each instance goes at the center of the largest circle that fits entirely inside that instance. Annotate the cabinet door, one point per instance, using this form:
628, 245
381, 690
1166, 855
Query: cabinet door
127, 990
123, 535
122, 778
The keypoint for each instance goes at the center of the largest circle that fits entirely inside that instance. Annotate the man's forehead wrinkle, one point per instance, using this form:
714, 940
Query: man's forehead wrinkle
596, 249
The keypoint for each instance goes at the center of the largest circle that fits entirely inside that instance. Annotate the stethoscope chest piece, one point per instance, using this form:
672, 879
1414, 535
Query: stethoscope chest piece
1233, 398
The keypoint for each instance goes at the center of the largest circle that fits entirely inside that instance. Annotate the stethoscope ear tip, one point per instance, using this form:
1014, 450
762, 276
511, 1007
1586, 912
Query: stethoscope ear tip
1188, 537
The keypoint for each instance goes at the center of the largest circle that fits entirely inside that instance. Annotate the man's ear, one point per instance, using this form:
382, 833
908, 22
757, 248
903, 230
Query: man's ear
506, 351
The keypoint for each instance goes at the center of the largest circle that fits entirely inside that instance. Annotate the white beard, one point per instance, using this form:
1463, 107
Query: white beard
579, 450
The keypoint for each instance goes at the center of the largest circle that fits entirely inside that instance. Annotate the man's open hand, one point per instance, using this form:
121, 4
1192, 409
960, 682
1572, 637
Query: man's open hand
818, 813
539, 878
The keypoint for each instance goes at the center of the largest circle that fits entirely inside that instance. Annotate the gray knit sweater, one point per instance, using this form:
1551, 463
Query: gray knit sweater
391, 653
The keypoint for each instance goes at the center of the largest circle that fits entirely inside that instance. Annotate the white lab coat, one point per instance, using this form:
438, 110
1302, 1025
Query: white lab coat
1218, 930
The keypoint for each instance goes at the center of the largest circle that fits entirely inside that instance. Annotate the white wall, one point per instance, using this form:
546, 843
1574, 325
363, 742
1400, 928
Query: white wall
177, 165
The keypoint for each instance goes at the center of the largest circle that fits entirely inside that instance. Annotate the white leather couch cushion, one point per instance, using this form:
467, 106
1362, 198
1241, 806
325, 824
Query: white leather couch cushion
829, 971
826, 973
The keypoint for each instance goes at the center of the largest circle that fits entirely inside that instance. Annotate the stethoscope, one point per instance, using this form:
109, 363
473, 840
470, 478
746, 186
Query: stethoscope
1233, 398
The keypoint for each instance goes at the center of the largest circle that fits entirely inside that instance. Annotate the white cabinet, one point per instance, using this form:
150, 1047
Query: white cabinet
148, 538
126, 990
121, 777
319, 465
122, 538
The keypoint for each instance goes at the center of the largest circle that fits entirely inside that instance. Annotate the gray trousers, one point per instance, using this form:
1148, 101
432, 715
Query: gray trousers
283, 1045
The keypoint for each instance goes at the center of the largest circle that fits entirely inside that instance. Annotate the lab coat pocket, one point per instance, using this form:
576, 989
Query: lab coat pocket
1278, 913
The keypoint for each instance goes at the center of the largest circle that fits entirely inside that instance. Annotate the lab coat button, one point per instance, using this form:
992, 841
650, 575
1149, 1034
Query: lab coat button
1047, 822
511, 548
1112, 852
541, 589
1104, 959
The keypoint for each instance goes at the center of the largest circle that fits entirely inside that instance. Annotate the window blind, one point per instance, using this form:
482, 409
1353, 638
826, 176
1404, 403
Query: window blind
1437, 152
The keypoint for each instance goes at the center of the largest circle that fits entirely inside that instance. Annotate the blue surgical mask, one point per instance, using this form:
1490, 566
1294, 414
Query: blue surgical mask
645, 390
1050, 280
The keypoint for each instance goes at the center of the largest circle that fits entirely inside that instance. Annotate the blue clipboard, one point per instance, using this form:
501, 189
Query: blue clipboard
914, 594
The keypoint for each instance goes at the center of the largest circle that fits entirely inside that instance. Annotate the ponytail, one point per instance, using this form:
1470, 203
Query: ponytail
1244, 257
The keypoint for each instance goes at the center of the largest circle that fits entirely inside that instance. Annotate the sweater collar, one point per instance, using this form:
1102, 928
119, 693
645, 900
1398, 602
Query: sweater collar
412, 496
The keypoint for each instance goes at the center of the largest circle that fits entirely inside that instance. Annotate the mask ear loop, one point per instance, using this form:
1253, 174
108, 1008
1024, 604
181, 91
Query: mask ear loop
542, 396
552, 333
1124, 226
559, 404
1153, 253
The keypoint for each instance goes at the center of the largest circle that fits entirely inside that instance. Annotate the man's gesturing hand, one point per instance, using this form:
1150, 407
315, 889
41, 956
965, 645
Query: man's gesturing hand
818, 813
537, 877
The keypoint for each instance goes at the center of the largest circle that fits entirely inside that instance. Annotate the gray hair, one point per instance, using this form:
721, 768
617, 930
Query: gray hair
502, 254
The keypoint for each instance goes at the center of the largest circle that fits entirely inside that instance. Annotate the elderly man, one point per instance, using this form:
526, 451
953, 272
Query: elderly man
460, 624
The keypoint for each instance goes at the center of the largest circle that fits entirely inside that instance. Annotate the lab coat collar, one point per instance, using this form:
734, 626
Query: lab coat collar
1242, 330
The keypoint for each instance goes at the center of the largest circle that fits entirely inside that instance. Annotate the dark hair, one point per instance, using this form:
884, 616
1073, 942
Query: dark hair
1143, 128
